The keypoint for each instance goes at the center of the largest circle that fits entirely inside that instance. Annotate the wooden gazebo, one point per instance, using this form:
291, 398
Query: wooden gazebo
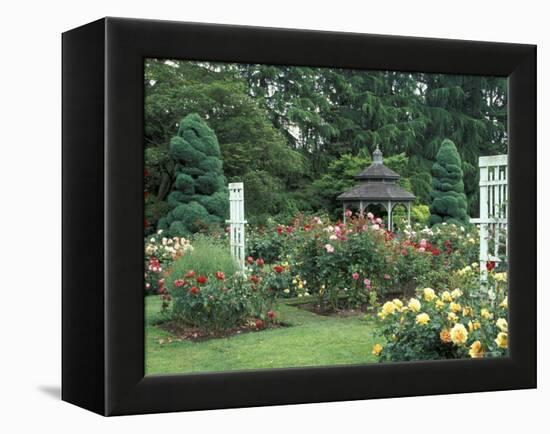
378, 186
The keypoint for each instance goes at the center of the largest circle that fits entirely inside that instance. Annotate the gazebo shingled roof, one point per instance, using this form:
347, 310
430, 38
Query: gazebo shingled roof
378, 186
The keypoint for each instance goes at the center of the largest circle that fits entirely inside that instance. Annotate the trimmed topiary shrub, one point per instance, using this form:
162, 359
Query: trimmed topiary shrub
448, 198
199, 198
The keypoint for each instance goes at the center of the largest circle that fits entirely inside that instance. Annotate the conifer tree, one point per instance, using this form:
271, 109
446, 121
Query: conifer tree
448, 198
199, 196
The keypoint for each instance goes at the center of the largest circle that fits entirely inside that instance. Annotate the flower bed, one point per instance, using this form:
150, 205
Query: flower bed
446, 324
358, 262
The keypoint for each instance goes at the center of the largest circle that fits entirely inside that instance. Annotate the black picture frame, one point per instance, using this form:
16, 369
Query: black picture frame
103, 303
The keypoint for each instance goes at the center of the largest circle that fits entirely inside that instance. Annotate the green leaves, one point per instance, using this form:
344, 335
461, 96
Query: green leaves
198, 197
448, 198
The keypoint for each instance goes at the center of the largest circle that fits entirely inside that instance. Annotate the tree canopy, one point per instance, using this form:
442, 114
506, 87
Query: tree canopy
283, 129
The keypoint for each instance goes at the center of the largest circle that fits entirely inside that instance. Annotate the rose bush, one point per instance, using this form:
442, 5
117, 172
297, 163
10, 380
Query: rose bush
442, 325
326, 255
160, 253
217, 302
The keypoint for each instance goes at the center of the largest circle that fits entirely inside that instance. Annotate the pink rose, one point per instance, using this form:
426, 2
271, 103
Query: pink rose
367, 283
387, 276
355, 276
329, 248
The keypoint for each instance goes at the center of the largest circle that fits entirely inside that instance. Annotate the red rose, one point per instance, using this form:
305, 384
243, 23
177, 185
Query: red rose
254, 279
435, 252
194, 290
271, 314
491, 265
259, 324
190, 274
260, 262
278, 268
201, 280
219, 275
279, 230
179, 283
250, 259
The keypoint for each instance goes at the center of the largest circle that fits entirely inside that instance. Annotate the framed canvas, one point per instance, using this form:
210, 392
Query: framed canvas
353, 139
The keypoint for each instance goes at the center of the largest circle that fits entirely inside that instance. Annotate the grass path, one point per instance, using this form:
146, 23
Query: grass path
311, 340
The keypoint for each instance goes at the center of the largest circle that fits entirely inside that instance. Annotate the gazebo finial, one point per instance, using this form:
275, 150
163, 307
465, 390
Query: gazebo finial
377, 156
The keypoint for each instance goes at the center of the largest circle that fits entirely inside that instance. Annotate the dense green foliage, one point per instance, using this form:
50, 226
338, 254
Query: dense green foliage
199, 197
284, 131
448, 198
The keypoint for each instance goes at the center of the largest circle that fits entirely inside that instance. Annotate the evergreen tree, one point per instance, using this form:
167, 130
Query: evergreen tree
199, 198
448, 198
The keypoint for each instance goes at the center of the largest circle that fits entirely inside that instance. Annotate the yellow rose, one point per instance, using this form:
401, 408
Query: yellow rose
467, 311
451, 316
476, 351
502, 324
429, 294
388, 308
376, 349
398, 303
486, 314
502, 340
475, 265
414, 305
446, 296
459, 334
504, 303
445, 336
501, 277
472, 326
456, 293
439, 304
422, 318
455, 307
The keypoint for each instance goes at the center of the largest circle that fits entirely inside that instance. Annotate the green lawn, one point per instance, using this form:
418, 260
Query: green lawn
311, 340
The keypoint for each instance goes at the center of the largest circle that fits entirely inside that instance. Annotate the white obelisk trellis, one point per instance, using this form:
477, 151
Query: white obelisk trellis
493, 213
236, 222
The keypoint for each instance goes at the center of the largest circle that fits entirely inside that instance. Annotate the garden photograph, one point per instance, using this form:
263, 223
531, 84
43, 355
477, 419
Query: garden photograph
302, 216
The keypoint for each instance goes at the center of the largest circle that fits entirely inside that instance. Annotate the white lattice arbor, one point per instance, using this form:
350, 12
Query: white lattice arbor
237, 222
493, 210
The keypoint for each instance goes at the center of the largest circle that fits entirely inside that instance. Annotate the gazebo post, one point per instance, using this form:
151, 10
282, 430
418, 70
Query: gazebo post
390, 223
361, 208
409, 212
344, 212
